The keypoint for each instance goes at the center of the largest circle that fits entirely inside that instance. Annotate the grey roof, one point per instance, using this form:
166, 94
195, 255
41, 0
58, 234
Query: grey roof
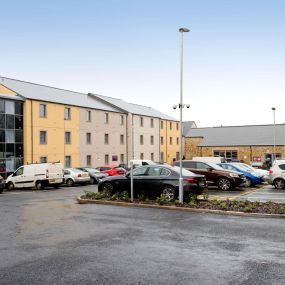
240, 135
187, 126
51, 94
135, 108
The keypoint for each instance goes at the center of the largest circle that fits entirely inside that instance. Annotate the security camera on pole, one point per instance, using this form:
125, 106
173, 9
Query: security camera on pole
181, 106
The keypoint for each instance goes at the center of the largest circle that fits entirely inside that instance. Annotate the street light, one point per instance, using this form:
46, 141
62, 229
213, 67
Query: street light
181, 30
274, 140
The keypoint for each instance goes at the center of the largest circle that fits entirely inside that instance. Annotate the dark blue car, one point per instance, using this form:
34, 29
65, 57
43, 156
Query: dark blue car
251, 179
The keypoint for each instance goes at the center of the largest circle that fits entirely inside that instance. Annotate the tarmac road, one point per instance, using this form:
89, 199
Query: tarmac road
47, 238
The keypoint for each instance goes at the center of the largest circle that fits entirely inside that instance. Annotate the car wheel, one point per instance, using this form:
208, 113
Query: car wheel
108, 188
247, 182
224, 183
69, 182
279, 183
169, 193
39, 185
10, 186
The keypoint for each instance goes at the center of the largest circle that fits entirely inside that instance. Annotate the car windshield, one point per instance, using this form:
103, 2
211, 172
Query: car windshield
215, 166
244, 167
185, 172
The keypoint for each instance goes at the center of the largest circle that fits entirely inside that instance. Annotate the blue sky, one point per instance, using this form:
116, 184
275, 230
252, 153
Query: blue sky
234, 60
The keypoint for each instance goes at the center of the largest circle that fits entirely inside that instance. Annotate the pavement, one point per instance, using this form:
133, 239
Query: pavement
47, 238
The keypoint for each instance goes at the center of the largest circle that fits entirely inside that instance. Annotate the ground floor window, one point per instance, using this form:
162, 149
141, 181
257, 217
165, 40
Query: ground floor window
43, 159
67, 161
106, 159
229, 155
162, 157
88, 160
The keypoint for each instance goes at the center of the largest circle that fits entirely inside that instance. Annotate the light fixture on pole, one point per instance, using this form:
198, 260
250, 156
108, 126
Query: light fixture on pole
274, 136
181, 30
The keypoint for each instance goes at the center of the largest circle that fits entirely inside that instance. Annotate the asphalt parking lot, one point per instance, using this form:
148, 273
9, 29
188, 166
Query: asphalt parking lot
261, 193
47, 238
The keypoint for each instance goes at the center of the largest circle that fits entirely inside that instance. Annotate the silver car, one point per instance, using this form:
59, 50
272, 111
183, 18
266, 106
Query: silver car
276, 175
75, 176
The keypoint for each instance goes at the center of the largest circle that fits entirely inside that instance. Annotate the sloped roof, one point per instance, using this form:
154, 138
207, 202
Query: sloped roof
187, 126
134, 108
51, 94
249, 135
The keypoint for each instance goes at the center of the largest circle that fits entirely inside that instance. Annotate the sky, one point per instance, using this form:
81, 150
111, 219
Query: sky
234, 59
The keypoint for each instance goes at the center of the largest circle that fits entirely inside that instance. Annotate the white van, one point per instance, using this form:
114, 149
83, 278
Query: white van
140, 162
38, 175
213, 159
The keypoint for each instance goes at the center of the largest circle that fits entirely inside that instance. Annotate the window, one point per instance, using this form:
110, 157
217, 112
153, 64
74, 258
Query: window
201, 165
141, 120
140, 171
67, 138
177, 126
67, 113
170, 140
161, 124
10, 121
122, 158
161, 140
162, 157
151, 123
106, 159
88, 138
88, 116
122, 119
122, 139
43, 137
142, 155
106, 118
177, 155
67, 161
10, 136
43, 159
106, 139
170, 125
88, 160
177, 140
20, 171
9, 107
151, 139
141, 139
229, 155
152, 156
43, 110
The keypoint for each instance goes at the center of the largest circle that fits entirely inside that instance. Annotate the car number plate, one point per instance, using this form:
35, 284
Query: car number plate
52, 181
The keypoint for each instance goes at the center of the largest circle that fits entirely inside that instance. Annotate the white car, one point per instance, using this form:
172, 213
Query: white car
75, 176
276, 175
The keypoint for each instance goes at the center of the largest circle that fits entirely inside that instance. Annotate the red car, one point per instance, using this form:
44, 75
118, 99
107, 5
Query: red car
111, 170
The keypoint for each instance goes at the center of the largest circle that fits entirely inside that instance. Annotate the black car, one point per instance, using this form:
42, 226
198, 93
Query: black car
95, 175
2, 184
153, 180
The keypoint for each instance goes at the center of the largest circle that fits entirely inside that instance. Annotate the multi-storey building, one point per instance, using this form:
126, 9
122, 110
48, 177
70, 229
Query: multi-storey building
42, 123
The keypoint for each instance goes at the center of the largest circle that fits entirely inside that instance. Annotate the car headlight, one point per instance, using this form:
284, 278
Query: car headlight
234, 175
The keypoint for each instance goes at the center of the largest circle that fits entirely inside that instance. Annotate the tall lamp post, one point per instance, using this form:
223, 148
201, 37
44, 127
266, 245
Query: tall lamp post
181, 30
274, 136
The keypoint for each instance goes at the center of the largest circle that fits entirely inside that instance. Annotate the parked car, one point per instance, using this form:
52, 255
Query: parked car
75, 176
257, 171
95, 174
2, 184
38, 175
111, 170
250, 178
216, 175
153, 180
276, 175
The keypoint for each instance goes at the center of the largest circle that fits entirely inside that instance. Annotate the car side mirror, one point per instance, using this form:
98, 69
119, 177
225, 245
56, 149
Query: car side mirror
127, 174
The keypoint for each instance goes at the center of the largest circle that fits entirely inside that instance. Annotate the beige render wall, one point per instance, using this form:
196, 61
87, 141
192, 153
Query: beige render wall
147, 132
97, 127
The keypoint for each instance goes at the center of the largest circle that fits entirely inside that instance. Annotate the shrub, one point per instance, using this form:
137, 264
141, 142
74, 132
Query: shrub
162, 200
115, 196
141, 197
223, 206
124, 196
177, 203
282, 209
248, 209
